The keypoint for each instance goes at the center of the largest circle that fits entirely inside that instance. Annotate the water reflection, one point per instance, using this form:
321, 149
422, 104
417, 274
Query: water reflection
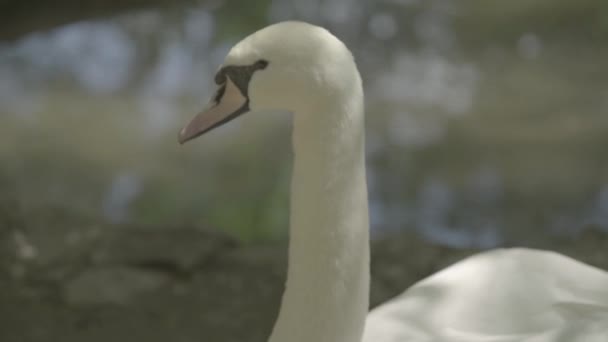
120, 194
599, 210
427, 79
459, 135
529, 46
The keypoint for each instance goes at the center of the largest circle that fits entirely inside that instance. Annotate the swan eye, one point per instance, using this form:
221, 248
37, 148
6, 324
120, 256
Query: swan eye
220, 77
261, 64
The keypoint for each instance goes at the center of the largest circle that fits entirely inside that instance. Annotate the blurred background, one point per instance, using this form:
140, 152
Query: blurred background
487, 126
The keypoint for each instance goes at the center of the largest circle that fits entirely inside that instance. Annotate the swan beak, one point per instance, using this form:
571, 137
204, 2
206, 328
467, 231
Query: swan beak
228, 103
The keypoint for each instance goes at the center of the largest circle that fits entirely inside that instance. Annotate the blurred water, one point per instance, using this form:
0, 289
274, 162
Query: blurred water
122, 191
468, 144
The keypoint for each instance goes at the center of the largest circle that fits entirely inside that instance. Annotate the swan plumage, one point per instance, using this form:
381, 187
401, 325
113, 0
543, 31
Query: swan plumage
514, 294
504, 295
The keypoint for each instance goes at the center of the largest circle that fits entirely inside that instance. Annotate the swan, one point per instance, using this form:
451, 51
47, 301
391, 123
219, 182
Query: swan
504, 295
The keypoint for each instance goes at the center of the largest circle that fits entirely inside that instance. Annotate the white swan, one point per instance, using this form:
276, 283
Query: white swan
502, 295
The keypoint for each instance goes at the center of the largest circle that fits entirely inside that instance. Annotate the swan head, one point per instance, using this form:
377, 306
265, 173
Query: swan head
289, 66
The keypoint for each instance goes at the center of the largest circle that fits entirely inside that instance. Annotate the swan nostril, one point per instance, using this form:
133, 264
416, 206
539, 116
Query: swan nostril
220, 77
220, 92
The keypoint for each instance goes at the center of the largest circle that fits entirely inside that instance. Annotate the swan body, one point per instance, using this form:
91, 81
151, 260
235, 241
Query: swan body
504, 295
497, 296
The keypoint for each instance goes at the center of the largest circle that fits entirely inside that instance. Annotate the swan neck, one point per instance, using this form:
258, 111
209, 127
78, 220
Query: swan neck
327, 288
